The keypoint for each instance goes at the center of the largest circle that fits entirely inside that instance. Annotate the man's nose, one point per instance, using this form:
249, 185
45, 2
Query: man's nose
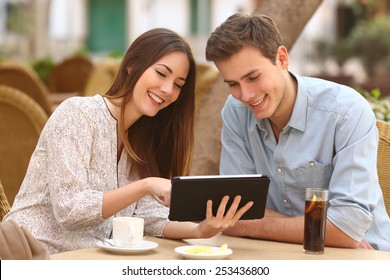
247, 93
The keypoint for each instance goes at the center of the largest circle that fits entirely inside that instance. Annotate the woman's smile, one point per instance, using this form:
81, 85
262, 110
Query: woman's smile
155, 98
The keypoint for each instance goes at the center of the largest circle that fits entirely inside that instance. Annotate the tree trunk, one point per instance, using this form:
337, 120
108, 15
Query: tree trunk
290, 16
39, 10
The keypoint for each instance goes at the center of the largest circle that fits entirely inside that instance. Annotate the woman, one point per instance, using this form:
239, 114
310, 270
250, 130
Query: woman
109, 155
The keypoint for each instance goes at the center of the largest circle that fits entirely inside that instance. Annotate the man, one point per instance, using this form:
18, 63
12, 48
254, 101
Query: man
302, 132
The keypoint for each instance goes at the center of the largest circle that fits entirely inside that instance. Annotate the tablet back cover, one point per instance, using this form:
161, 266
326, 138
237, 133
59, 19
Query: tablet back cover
190, 194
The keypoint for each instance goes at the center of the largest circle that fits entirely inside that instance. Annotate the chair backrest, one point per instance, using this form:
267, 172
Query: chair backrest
4, 204
70, 75
102, 77
21, 122
24, 79
383, 161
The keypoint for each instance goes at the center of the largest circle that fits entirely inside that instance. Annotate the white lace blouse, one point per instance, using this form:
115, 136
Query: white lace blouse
75, 161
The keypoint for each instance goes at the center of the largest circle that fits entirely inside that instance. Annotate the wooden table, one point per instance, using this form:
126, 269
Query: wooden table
243, 249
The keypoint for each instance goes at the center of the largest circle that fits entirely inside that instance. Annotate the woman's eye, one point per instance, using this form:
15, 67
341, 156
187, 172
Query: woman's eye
160, 73
179, 86
231, 85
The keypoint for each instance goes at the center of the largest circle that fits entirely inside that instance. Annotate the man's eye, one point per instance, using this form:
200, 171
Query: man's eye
253, 78
231, 84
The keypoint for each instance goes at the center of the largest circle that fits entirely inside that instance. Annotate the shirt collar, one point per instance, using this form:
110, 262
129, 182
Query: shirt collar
299, 115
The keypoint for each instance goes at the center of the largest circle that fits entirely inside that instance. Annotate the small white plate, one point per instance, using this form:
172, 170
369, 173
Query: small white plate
213, 256
129, 249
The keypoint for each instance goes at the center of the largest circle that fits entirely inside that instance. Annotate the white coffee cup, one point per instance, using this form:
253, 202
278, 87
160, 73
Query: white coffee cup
128, 230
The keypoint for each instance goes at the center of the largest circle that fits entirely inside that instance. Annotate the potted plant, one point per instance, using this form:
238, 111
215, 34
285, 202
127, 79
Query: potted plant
370, 42
379, 105
43, 67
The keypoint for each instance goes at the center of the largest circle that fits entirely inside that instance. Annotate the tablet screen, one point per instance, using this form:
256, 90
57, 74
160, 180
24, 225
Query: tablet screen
190, 194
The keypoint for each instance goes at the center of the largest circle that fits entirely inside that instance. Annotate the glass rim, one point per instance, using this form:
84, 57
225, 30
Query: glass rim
321, 194
317, 189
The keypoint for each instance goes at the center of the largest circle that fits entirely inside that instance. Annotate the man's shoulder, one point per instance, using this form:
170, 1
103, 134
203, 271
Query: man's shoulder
237, 111
319, 87
234, 106
234, 103
330, 96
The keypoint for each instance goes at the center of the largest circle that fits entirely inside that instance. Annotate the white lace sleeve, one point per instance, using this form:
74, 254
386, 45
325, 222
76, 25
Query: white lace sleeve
154, 214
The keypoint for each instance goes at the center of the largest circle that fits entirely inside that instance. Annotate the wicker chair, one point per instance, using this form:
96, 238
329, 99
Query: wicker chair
20, 77
102, 77
4, 204
383, 162
70, 75
21, 122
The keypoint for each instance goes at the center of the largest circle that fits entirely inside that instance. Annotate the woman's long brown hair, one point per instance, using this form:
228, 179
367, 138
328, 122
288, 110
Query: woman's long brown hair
161, 145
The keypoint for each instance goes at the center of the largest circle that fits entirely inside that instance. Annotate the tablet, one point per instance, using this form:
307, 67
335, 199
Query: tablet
190, 194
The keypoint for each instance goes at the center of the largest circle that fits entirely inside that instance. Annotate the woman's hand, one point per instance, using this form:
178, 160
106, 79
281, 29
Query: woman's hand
160, 189
213, 225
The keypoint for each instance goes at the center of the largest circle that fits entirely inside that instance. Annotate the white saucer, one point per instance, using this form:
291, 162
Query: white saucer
213, 256
129, 249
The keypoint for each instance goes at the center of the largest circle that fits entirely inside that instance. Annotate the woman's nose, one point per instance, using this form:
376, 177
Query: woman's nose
167, 87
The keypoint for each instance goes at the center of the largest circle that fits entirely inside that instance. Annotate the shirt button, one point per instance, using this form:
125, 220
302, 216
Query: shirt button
280, 169
285, 201
311, 163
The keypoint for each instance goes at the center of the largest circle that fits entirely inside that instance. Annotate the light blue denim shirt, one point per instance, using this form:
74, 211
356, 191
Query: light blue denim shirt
330, 141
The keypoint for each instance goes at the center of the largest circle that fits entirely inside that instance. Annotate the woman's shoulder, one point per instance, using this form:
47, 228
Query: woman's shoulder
79, 118
80, 109
82, 102
79, 106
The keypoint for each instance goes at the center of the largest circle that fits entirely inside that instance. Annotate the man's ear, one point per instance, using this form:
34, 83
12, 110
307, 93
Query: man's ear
282, 57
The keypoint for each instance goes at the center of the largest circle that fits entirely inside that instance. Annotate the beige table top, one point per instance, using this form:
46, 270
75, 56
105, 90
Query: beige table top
243, 249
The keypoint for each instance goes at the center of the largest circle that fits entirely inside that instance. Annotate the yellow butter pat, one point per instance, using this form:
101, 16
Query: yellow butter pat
206, 250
